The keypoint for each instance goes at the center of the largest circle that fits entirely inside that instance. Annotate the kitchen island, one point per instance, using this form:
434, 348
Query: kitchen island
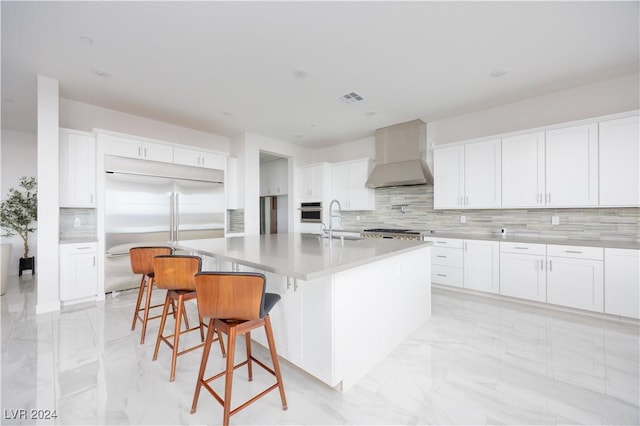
346, 304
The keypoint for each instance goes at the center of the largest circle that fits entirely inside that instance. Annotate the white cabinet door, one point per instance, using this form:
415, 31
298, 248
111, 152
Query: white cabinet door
77, 169
348, 185
576, 283
187, 157
523, 174
157, 152
78, 271
448, 178
482, 265
572, 166
273, 178
339, 184
314, 180
213, 161
523, 276
482, 174
622, 282
129, 147
620, 162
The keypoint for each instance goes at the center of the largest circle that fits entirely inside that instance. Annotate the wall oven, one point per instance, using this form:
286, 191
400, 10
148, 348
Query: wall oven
311, 212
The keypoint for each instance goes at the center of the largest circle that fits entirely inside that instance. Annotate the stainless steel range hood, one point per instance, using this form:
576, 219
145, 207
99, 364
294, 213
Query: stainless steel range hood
400, 156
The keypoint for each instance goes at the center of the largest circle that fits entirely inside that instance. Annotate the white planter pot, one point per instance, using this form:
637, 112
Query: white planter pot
6, 255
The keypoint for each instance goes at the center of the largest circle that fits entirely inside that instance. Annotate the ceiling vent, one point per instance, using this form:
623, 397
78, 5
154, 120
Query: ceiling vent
351, 97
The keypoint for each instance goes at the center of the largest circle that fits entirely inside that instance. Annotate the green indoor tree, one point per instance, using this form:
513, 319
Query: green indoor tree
19, 211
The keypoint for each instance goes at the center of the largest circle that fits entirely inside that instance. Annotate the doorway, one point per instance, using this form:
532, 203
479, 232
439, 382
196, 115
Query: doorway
274, 201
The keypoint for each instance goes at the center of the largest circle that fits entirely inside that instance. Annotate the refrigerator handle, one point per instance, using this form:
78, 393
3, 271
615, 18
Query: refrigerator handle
171, 218
176, 205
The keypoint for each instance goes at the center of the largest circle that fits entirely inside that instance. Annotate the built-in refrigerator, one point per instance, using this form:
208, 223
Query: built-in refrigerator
149, 203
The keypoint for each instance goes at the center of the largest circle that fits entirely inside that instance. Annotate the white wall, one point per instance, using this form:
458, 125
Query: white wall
593, 100
19, 158
361, 148
81, 116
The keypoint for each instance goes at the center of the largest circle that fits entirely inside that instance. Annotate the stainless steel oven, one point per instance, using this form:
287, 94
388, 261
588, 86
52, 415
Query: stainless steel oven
311, 212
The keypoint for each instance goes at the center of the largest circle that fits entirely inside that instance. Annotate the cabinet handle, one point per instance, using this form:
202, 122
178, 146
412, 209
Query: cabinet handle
441, 275
521, 248
83, 248
550, 265
542, 265
466, 200
203, 161
549, 198
94, 261
441, 242
91, 198
139, 152
573, 251
465, 246
145, 153
441, 256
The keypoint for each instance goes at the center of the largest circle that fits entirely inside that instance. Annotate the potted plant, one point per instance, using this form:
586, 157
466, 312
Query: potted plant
18, 212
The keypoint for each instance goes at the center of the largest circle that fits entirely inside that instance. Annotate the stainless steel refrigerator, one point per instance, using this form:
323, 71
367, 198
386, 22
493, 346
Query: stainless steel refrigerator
152, 203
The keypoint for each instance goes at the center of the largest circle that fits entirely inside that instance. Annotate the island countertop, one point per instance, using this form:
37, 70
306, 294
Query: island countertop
300, 256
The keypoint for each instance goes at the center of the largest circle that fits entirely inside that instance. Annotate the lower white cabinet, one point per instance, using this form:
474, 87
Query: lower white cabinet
482, 265
446, 261
622, 282
523, 271
78, 271
575, 277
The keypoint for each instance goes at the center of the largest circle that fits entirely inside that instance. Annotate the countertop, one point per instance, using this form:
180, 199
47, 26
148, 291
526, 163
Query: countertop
534, 239
300, 256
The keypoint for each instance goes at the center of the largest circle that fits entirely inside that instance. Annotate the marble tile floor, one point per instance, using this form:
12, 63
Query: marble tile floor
476, 361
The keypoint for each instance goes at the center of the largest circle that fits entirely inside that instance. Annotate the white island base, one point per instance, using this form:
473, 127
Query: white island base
341, 324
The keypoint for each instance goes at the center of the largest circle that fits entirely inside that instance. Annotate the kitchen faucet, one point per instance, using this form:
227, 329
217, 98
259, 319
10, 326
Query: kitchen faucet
331, 216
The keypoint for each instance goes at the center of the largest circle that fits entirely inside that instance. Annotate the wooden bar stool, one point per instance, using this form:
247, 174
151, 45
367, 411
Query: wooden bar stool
235, 304
142, 263
176, 274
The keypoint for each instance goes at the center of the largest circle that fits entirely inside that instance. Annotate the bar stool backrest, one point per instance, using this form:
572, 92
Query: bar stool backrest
142, 258
176, 272
231, 295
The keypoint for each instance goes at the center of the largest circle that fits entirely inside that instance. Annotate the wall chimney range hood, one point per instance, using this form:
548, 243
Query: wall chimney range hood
400, 156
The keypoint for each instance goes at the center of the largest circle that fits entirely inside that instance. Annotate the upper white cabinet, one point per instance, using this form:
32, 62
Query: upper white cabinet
571, 156
273, 178
315, 180
620, 162
190, 157
523, 170
468, 176
235, 197
622, 282
482, 265
77, 169
348, 185
127, 147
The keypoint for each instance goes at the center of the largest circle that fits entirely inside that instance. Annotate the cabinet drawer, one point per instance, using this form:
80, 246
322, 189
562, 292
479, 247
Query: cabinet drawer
445, 242
446, 256
576, 252
446, 275
523, 248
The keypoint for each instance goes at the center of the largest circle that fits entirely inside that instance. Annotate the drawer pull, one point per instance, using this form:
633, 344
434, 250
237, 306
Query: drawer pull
521, 248
441, 256
441, 275
441, 242
83, 248
573, 251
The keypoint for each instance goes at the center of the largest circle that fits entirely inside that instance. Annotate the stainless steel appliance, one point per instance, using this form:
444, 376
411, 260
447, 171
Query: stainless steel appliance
402, 234
152, 203
311, 212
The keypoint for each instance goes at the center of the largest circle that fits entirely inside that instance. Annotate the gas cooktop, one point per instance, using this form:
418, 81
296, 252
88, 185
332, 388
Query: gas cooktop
392, 231
404, 234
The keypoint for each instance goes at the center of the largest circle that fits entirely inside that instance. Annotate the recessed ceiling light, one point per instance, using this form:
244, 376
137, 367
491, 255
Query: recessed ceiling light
312, 125
370, 113
498, 72
301, 72
100, 72
228, 114
86, 40
298, 135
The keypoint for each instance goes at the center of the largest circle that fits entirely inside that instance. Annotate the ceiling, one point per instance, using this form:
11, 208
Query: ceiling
279, 68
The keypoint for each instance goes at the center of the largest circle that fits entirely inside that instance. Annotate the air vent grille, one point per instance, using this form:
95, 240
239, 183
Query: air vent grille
351, 97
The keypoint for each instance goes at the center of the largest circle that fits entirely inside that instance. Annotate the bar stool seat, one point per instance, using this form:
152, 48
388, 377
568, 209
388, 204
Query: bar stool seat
176, 274
236, 304
142, 263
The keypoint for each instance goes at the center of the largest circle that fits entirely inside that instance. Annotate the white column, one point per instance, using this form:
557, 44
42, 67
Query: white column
48, 209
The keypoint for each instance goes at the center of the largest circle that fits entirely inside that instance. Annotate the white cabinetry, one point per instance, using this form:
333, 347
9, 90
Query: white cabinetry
128, 147
447, 261
572, 166
522, 271
575, 277
190, 157
468, 176
316, 180
622, 282
235, 197
78, 271
523, 170
77, 169
482, 265
348, 185
620, 162
273, 178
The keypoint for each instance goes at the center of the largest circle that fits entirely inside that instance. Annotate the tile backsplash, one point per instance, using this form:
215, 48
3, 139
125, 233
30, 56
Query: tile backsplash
612, 224
77, 224
235, 221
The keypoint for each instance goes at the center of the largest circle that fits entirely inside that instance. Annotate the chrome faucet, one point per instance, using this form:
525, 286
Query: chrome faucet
331, 216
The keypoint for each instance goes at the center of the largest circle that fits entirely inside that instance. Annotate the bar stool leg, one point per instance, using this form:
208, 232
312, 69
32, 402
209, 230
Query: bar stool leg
203, 364
176, 336
231, 344
247, 341
163, 320
140, 292
147, 308
274, 358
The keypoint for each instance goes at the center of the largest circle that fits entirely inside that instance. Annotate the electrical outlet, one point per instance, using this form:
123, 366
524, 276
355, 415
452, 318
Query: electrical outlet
463, 219
555, 220
358, 218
